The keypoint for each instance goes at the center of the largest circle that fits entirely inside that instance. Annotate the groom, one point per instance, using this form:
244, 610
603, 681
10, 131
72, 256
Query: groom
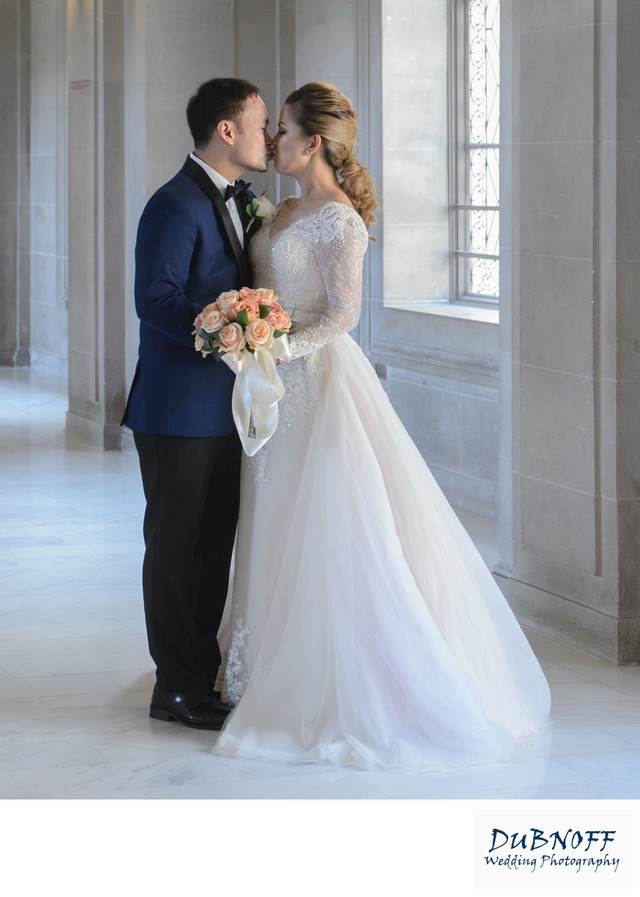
191, 246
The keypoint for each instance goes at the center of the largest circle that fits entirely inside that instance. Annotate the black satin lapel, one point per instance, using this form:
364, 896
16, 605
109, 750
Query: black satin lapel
242, 202
251, 225
202, 179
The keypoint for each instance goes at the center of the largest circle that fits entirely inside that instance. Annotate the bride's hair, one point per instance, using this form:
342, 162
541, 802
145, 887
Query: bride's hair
320, 108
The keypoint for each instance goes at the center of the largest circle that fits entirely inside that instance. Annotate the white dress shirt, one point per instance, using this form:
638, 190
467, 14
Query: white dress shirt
221, 183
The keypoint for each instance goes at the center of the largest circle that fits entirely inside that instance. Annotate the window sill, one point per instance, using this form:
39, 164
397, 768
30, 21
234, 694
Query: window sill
449, 310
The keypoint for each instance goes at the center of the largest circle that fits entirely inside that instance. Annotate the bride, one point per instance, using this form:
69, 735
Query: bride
365, 630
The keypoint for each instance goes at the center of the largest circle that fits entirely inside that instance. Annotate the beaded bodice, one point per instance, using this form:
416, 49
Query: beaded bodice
314, 264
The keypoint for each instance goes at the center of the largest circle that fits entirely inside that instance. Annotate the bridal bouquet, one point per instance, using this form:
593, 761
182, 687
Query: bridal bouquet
241, 321
247, 329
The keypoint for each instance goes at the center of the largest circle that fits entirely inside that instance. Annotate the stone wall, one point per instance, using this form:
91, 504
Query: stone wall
570, 544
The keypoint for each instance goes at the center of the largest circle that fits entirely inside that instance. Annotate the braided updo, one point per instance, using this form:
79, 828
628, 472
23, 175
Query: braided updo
320, 108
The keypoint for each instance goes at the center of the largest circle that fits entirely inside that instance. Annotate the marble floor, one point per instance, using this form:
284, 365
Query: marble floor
75, 676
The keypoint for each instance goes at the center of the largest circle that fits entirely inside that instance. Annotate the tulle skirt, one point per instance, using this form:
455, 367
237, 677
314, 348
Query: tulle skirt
365, 629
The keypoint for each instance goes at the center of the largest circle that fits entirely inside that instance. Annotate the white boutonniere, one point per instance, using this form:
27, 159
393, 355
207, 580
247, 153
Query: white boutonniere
260, 209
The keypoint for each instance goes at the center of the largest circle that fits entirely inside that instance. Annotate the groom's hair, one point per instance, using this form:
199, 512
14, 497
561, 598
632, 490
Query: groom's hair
214, 101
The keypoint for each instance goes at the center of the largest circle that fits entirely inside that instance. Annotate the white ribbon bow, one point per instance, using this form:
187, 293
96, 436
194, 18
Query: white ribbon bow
256, 393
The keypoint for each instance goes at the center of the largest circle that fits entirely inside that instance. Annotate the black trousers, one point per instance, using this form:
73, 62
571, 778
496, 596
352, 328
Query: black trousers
192, 490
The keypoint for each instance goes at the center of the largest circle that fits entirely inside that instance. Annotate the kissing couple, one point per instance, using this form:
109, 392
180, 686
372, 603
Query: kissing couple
362, 627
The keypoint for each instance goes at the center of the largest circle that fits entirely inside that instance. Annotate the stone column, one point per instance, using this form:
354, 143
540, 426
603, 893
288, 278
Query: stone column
96, 154
14, 183
570, 559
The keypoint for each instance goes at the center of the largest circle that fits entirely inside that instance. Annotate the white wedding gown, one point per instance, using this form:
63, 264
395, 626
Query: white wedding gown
365, 630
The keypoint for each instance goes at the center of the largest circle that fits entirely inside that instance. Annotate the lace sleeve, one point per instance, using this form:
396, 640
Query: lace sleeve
339, 244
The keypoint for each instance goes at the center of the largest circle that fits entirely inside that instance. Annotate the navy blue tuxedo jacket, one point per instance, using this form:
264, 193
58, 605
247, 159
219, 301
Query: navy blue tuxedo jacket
187, 253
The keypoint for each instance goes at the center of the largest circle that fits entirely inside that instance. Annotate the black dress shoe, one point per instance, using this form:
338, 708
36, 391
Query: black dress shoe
195, 709
216, 703
216, 694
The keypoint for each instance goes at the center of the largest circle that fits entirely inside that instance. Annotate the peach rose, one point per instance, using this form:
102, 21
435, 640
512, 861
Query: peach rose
250, 305
259, 334
248, 293
198, 322
279, 319
266, 297
231, 338
212, 319
199, 343
227, 303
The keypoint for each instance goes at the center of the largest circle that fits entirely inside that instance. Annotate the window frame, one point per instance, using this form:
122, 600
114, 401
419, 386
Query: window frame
459, 148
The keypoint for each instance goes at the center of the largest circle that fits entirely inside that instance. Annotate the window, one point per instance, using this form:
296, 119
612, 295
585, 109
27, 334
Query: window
441, 133
475, 230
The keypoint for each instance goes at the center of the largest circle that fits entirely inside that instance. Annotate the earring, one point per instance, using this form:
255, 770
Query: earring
307, 151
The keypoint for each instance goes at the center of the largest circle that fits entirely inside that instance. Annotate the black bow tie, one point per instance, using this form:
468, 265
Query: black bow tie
233, 189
